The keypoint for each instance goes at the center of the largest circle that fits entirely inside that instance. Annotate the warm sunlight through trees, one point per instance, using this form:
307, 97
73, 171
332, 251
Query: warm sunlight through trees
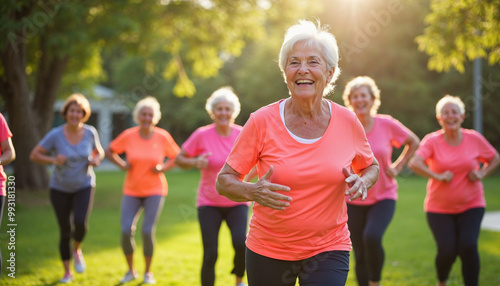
458, 31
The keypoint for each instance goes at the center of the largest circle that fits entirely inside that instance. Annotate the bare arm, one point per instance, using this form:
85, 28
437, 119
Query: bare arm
417, 164
411, 145
251, 175
485, 170
39, 155
8, 152
97, 156
361, 182
165, 166
115, 159
229, 184
185, 162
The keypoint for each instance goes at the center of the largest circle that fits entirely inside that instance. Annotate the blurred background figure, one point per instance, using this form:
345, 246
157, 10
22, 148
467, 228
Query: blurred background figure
207, 150
145, 147
74, 149
455, 160
368, 219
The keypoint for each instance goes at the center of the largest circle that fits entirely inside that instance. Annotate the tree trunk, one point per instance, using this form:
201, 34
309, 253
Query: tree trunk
29, 175
29, 123
50, 72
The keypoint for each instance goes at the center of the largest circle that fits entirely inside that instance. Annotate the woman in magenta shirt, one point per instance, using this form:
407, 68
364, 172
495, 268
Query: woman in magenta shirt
455, 160
207, 150
369, 219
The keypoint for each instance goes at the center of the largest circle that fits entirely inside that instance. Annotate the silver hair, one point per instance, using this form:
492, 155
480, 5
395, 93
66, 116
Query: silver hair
310, 34
150, 102
225, 93
450, 99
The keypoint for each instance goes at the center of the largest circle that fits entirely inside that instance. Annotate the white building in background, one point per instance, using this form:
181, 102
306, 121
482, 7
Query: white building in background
110, 115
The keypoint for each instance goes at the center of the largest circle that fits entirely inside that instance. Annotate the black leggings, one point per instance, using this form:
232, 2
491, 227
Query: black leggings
2, 203
327, 268
367, 225
69, 206
457, 235
210, 222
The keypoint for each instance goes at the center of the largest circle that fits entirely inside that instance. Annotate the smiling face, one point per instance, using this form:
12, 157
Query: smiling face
222, 113
306, 71
451, 118
145, 117
361, 101
74, 114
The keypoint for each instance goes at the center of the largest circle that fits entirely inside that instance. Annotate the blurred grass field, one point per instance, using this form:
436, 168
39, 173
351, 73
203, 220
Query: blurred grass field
408, 241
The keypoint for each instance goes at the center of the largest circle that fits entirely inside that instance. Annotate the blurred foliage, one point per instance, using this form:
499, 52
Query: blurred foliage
181, 51
460, 30
375, 38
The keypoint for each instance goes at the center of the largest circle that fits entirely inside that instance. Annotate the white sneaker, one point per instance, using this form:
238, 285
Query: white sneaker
241, 284
80, 264
68, 278
129, 276
149, 279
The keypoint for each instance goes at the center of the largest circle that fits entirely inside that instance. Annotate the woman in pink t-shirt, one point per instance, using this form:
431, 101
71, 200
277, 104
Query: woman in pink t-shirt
369, 219
146, 147
207, 150
304, 147
7, 155
455, 160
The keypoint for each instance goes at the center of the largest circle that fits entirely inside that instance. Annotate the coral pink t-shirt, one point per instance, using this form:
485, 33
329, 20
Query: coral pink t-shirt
460, 194
143, 155
206, 140
386, 133
4, 135
316, 220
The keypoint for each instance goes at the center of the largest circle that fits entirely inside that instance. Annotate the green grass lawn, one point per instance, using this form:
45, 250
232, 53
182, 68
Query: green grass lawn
408, 242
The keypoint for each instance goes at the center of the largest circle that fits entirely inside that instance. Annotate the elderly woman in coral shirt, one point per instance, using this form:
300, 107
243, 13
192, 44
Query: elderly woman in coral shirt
304, 147
455, 160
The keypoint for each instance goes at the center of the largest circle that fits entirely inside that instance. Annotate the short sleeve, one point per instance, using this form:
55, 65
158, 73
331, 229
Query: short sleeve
119, 144
4, 129
425, 149
49, 140
95, 140
191, 145
399, 133
245, 152
486, 152
364, 155
171, 149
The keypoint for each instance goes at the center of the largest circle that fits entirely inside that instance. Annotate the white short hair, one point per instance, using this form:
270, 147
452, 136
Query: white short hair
450, 99
225, 93
150, 102
310, 34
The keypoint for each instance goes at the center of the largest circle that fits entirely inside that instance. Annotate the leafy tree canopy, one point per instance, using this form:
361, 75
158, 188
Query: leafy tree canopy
461, 30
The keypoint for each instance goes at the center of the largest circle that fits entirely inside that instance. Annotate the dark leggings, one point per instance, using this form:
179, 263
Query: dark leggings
367, 225
69, 206
327, 268
457, 235
2, 203
210, 219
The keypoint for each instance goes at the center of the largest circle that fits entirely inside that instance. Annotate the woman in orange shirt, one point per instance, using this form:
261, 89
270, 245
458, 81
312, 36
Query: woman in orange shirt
304, 147
145, 188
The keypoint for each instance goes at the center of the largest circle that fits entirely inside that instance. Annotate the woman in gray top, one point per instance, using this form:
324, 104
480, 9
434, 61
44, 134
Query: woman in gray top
74, 149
